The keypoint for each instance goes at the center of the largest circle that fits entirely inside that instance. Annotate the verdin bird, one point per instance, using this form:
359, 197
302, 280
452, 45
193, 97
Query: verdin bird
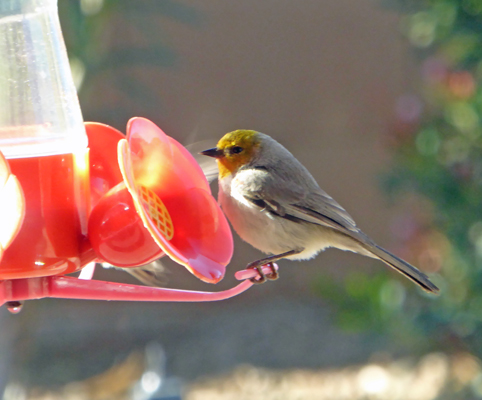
274, 204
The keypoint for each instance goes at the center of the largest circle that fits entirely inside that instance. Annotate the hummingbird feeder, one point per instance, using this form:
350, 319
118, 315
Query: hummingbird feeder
72, 193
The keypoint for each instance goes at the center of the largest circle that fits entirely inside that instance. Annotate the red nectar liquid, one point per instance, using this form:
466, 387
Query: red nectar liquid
49, 239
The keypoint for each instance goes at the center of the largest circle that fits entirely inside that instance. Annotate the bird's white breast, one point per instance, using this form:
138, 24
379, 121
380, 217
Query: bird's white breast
264, 231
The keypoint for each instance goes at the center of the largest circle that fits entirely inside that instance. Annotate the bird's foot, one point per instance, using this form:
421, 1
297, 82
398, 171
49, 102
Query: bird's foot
263, 277
274, 274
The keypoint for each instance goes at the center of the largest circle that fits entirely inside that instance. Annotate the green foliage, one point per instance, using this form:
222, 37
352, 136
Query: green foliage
437, 149
364, 302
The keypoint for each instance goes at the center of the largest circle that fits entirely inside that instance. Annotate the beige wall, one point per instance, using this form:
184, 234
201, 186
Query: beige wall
322, 77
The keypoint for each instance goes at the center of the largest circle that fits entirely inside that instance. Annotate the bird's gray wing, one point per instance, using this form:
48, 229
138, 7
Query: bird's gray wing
152, 274
301, 201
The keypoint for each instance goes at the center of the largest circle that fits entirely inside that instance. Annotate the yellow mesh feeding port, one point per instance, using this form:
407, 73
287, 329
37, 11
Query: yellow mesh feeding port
157, 212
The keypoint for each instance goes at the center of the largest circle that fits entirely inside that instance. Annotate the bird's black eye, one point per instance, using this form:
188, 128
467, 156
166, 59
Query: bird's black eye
236, 150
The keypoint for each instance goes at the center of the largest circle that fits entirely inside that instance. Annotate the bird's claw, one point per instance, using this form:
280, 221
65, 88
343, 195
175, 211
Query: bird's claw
262, 278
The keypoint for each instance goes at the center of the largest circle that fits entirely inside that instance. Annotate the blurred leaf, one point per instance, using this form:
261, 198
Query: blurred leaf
168, 8
460, 47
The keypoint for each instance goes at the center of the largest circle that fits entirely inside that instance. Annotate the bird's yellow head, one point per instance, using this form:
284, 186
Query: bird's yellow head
234, 150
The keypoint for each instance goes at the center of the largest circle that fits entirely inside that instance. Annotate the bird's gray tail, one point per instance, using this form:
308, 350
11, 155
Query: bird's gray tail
403, 267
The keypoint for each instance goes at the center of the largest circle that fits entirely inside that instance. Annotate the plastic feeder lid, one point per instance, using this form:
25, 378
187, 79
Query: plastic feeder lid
173, 198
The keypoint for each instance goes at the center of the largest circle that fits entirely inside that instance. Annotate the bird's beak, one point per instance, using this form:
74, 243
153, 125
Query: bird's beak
214, 152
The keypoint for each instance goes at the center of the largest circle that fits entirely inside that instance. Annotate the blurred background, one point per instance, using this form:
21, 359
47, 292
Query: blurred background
381, 100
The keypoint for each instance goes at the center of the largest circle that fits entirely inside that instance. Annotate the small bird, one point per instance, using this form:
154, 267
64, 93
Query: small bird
275, 204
